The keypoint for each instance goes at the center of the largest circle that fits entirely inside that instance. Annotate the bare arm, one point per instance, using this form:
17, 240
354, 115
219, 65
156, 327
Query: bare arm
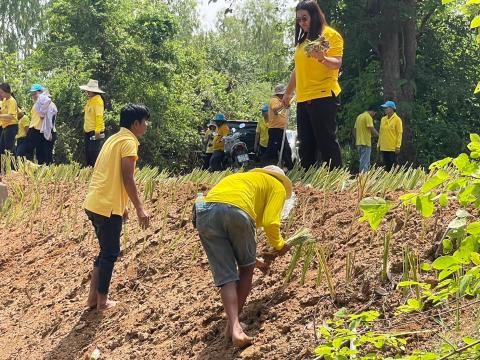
290, 89
7, 117
373, 131
128, 169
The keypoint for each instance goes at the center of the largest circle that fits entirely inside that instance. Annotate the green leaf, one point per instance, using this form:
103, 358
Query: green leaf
444, 2
447, 272
457, 223
414, 304
447, 245
444, 262
440, 163
424, 205
462, 213
475, 138
374, 210
475, 258
477, 89
475, 22
425, 267
443, 200
439, 178
474, 228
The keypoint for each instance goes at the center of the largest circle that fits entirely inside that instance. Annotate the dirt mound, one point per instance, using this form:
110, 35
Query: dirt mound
168, 306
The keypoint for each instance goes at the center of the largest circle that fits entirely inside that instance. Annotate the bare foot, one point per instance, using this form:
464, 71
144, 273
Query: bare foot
228, 331
240, 339
92, 294
107, 305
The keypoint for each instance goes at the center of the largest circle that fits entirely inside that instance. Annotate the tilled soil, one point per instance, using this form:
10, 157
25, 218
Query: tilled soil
168, 307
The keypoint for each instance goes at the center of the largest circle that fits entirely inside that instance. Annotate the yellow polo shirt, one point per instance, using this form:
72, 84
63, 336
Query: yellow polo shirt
22, 124
258, 194
222, 131
313, 79
390, 135
9, 107
362, 129
106, 192
262, 129
276, 121
94, 110
36, 121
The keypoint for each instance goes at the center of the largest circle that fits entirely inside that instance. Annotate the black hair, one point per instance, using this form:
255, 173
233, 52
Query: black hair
7, 88
317, 21
373, 108
133, 112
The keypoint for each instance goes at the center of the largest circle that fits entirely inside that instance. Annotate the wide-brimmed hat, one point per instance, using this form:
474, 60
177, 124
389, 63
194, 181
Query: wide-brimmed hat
211, 123
279, 174
92, 86
280, 89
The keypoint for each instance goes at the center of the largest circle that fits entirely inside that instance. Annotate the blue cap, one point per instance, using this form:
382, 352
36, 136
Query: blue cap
264, 108
36, 87
219, 117
389, 104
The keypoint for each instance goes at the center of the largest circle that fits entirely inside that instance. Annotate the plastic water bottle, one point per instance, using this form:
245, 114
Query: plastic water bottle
93, 138
200, 203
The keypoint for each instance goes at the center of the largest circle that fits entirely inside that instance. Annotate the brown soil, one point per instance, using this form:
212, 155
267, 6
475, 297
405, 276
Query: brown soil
168, 307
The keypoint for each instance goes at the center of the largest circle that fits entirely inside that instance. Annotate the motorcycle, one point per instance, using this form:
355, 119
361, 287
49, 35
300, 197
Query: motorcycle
236, 151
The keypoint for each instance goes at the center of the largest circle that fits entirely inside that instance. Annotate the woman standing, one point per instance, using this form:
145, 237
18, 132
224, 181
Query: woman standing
8, 119
94, 124
315, 81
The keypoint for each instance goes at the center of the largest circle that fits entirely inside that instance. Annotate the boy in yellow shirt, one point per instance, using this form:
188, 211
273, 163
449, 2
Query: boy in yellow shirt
390, 135
23, 124
218, 155
111, 185
363, 131
227, 223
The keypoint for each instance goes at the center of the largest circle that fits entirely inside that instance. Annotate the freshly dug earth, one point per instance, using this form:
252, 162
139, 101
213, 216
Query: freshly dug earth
168, 307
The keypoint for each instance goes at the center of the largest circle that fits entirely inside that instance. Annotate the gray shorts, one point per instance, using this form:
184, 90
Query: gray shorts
228, 237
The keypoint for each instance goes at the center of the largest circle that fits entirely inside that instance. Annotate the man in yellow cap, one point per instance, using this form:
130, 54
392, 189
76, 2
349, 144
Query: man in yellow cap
227, 222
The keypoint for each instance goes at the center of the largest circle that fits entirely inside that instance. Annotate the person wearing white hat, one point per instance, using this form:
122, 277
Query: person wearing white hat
94, 124
227, 221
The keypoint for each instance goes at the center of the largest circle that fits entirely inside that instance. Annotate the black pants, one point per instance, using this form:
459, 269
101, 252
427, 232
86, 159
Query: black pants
35, 146
7, 139
216, 161
92, 148
317, 132
389, 159
108, 230
20, 147
49, 148
275, 137
206, 160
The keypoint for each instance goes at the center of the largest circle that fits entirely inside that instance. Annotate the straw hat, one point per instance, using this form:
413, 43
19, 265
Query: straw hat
280, 89
279, 174
92, 86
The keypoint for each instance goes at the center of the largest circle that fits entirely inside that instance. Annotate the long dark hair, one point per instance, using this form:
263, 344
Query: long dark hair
317, 21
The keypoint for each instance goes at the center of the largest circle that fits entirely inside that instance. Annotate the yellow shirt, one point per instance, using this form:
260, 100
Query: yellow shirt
276, 121
94, 115
106, 192
9, 107
36, 121
258, 194
222, 131
313, 79
209, 147
362, 129
390, 135
262, 129
22, 124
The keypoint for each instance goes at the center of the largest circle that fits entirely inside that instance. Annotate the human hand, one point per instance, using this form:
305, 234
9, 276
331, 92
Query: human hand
97, 135
397, 151
285, 102
317, 53
143, 218
125, 216
262, 265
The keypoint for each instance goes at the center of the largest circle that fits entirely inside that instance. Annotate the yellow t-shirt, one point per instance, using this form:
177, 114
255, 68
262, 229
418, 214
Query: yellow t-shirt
390, 134
209, 147
36, 121
222, 131
362, 129
313, 79
94, 115
262, 129
106, 192
22, 124
258, 194
276, 121
9, 106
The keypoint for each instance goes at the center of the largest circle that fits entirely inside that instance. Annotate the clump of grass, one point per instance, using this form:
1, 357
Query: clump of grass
303, 244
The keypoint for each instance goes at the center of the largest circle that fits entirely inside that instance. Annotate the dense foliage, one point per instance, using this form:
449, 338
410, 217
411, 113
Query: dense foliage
153, 51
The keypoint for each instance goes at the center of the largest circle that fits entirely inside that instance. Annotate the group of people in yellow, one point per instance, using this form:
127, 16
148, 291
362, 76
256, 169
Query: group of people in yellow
34, 136
389, 136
